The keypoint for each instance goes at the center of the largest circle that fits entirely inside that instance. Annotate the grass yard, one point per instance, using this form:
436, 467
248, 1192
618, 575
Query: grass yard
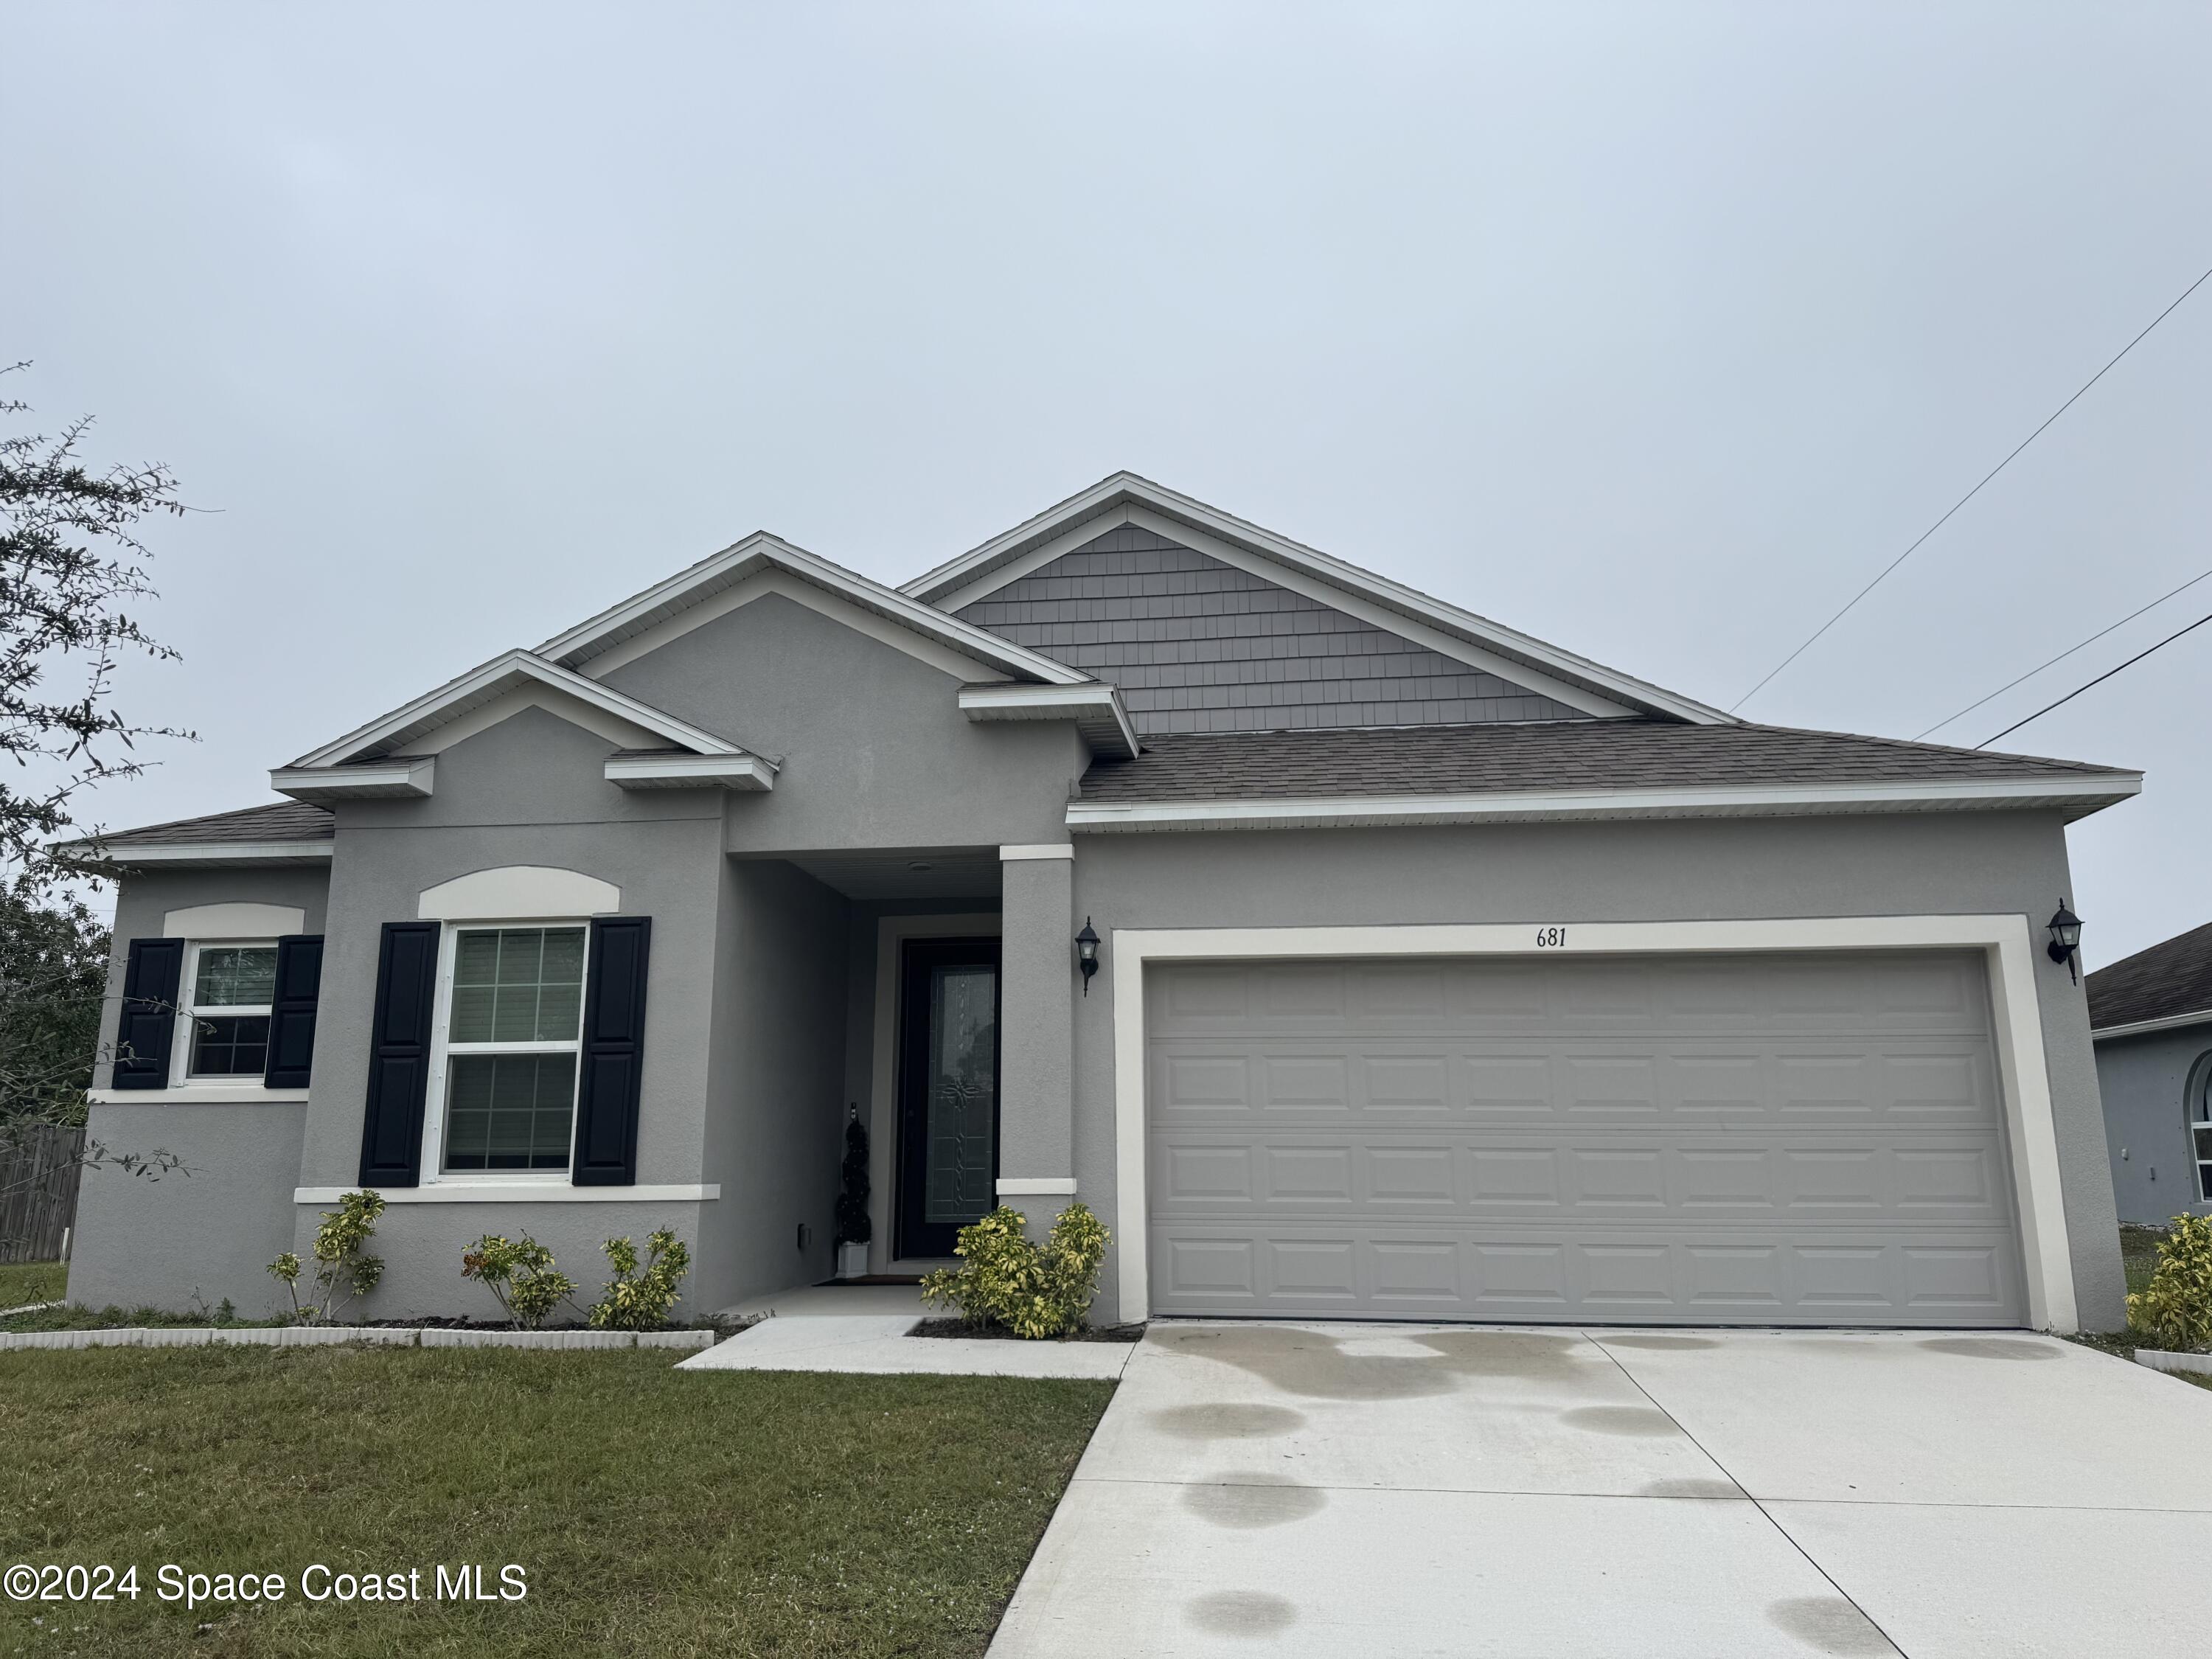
31, 1281
2139, 1254
656, 1511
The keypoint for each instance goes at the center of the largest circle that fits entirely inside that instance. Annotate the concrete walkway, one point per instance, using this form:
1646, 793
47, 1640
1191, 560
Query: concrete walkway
1398, 1489
864, 1328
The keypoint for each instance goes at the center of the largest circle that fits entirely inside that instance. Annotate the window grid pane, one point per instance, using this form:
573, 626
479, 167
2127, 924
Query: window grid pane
518, 985
231, 1045
509, 1111
235, 977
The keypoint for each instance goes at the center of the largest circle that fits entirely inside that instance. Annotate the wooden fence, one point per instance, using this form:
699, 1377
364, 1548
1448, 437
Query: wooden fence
39, 1172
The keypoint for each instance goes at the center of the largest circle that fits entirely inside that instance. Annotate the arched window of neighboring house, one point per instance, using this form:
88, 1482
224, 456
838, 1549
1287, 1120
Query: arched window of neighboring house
2200, 1123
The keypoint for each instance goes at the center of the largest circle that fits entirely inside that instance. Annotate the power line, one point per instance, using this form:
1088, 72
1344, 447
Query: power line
1964, 499
2100, 680
2061, 656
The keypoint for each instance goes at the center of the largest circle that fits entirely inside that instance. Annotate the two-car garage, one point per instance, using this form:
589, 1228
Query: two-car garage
1811, 1138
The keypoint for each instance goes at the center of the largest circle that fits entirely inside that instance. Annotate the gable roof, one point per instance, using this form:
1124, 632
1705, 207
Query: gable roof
389, 734
1124, 497
2170, 984
1584, 768
762, 551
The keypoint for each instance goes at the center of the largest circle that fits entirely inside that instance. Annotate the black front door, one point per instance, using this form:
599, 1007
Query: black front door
948, 1087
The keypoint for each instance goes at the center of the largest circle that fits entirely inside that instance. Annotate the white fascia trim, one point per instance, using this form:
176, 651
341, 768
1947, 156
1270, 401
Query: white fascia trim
2145, 1027
216, 852
1037, 1186
960, 581
1047, 849
518, 1192
413, 775
589, 639
198, 1094
745, 773
487, 680
1733, 800
2023, 1075
1096, 707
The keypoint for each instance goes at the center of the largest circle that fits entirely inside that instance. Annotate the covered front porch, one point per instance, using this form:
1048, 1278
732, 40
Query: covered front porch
925, 992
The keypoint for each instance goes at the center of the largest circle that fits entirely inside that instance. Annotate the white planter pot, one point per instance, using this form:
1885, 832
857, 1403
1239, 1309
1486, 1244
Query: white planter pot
852, 1261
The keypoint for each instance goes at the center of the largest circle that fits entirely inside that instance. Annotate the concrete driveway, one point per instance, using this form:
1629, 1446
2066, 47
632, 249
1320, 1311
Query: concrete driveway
1339, 1490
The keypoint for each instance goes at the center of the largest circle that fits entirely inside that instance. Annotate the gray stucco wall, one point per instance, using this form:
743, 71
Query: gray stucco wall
2144, 1081
876, 751
527, 791
1906, 864
209, 1230
1199, 645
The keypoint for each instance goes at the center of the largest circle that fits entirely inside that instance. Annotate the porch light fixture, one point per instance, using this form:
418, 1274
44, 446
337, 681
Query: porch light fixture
1086, 953
2065, 945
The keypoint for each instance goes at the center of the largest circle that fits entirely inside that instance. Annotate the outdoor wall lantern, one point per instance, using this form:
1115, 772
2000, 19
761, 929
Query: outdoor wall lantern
1086, 953
2065, 939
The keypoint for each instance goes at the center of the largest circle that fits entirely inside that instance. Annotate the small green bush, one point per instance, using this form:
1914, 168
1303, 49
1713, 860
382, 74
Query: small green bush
1036, 1290
638, 1301
341, 1271
2175, 1310
520, 1276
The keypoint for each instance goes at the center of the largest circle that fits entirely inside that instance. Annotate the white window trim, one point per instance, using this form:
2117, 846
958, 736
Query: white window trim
527, 1182
2200, 1117
181, 1080
488, 1192
2023, 1076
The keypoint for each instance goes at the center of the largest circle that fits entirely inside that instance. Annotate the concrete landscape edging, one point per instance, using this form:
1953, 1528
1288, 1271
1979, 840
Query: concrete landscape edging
2162, 1359
309, 1336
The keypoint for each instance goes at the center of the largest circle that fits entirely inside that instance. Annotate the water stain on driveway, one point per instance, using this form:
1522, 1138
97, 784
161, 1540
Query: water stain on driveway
1227, 1421
1241, 1612
1313, 1365
1992, 1348
1638, 1420
1243, 1501
1830, 1625
1660, 1344
1691, 1486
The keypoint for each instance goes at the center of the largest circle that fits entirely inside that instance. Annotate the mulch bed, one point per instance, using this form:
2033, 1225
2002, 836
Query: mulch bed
954, 1326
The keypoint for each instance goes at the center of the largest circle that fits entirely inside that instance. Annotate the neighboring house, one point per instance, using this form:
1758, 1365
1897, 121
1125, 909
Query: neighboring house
1444, 974
2151, 1016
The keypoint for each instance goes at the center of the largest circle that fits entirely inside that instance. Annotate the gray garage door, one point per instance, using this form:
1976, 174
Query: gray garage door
1785, 1141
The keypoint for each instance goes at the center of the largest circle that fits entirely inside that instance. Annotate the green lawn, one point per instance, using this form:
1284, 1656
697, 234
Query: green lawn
655, 1511
31, 1281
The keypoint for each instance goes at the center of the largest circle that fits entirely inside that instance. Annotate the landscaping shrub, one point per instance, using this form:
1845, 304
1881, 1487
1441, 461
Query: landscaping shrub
1036, 1290
520, 1276
341, 1271
2174, 1310
638, 1301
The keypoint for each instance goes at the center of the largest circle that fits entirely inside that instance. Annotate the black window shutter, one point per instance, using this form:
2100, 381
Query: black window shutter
148, 1023
614, 1053
292, 1014
399, 1055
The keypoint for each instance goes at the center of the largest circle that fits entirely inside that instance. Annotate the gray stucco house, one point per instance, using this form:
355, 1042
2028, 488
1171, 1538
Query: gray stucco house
2151, 1016
1444, 973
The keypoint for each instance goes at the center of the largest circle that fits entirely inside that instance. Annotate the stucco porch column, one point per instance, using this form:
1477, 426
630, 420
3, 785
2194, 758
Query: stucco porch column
1036, 990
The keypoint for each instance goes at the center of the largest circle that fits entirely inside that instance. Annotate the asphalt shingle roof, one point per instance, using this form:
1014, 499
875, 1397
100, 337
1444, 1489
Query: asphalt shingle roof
2172, 978
280, 820
1623, 754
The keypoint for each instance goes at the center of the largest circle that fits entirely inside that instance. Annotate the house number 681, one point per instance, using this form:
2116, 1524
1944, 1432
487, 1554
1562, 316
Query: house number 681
1548, 937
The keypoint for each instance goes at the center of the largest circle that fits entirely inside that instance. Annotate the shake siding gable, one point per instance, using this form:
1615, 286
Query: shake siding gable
1196, 645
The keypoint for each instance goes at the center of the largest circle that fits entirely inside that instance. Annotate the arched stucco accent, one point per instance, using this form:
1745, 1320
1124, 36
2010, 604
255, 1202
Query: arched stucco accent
517, 890
234, 922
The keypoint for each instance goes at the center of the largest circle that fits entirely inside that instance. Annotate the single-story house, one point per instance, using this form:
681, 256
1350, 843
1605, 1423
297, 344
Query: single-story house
1442, 974
2151, 1018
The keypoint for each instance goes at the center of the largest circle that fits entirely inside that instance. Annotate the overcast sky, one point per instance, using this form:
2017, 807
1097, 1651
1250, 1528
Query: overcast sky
1653, 330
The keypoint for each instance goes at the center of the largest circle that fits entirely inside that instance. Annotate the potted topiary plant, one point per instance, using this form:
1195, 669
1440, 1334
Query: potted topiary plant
854, 1229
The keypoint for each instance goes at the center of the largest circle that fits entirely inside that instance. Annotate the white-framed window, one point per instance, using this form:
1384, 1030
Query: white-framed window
504, 1051
2200, 1127
224, 995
